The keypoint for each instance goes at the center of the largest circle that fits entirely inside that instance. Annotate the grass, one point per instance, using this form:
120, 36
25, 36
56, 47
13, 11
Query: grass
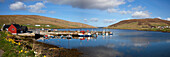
155, 29
135, 26
159, 24
144, 29
41, 20
43, 26
0, 26
12, 49
141, 24
51, 26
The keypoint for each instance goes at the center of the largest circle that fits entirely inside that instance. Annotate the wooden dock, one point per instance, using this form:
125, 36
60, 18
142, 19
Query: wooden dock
66, 33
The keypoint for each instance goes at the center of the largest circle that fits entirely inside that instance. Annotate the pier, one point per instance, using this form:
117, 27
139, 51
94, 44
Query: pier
53, 34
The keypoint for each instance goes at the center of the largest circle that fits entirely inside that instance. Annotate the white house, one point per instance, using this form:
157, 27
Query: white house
28, 24
37, 25
47, 25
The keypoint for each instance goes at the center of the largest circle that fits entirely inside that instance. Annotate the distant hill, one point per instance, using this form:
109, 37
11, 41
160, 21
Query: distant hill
139, 23
32, 20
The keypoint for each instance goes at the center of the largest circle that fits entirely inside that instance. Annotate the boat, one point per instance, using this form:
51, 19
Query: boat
69, 37
85, 35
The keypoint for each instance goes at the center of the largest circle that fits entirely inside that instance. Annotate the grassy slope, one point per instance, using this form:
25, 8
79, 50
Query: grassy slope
34, 19
10, 49
141, 24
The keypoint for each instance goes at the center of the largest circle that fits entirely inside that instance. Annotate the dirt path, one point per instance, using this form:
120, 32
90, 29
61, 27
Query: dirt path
1, 52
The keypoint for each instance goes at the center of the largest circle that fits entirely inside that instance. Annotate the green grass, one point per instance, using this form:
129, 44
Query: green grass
144, 29
155, 29
0, 26
12, 50
43, 26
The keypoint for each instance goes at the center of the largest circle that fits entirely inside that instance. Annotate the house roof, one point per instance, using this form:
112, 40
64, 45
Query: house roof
17, 26
6, 26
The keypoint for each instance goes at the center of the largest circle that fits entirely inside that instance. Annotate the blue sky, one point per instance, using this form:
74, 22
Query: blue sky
99, 13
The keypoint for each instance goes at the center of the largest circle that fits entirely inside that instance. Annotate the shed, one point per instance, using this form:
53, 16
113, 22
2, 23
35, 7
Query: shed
153, 26
47, 25
24, 29
14, 28
37, 25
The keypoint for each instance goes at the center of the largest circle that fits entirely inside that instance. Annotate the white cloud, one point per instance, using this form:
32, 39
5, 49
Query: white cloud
111, 10
125, 12
108, 5
131, 0
109, 20
17, 6
138, 8
168, 19
129, 5
37, 8
94, 19
90, 4
52, 12
141, 14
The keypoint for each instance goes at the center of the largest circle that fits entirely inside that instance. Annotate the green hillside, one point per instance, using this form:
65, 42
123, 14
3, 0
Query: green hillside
32, 20
141, 24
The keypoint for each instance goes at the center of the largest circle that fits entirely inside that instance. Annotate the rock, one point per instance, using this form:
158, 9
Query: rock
1, 52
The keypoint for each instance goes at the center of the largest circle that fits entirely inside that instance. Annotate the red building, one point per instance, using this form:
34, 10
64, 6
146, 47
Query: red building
14, 28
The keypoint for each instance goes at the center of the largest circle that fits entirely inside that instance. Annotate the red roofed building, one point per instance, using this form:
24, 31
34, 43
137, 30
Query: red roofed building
14, 28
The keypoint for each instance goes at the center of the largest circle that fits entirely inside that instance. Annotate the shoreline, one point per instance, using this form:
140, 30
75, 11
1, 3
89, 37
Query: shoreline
34, 47
155, 31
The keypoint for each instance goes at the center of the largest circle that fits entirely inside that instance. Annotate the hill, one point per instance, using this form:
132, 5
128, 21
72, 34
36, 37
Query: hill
32, 20
140, 24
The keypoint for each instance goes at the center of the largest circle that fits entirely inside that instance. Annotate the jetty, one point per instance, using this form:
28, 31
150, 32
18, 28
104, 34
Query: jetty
53, 34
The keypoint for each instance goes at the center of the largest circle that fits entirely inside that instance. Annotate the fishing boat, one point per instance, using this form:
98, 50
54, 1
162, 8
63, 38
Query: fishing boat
85, 35
69, 37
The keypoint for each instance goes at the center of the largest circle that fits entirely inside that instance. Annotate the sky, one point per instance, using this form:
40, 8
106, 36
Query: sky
99, 13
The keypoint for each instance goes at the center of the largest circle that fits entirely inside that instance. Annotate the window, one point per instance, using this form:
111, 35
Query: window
13, 29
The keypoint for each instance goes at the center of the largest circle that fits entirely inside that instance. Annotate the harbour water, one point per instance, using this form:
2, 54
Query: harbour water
123, 43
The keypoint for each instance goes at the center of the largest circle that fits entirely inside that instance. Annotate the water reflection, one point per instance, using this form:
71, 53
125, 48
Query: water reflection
100, 51
123, 43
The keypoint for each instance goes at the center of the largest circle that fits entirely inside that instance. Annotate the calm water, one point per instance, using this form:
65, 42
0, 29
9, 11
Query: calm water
124, 43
